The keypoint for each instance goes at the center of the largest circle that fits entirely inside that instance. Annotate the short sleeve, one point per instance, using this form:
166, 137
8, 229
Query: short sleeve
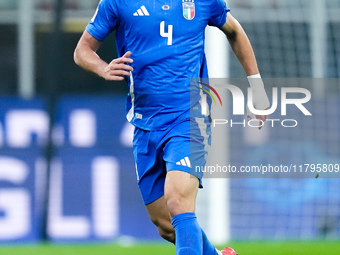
219, 13
104, 20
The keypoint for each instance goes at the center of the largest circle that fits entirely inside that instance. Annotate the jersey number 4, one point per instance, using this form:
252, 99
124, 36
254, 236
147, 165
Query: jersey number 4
166, 34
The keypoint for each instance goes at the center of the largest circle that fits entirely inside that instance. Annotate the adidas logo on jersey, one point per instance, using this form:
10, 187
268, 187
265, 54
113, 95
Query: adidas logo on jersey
142, 11
184, 162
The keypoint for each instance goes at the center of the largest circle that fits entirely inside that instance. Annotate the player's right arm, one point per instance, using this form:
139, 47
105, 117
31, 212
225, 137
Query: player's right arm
86, 57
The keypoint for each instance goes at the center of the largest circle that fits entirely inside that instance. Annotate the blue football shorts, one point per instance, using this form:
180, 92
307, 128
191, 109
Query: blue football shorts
181, 147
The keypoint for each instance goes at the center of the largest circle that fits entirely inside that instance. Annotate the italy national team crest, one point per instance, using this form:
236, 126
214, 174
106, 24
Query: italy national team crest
188, 9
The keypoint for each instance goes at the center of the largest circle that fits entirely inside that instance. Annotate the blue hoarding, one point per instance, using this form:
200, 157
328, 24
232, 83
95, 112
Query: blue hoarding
91, 188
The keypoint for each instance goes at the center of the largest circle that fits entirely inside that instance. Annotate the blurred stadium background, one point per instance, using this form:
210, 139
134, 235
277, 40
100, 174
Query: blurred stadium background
75, 182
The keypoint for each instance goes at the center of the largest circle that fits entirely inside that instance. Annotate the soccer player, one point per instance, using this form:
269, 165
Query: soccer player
161, 49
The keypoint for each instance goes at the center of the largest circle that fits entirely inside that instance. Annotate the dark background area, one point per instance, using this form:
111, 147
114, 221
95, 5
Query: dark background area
8, 60
73, 80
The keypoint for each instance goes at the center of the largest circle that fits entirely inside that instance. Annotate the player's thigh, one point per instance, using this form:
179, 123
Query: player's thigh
180, 191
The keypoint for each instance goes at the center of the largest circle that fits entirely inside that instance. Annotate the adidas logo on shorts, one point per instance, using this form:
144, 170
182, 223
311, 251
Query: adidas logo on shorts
184, 162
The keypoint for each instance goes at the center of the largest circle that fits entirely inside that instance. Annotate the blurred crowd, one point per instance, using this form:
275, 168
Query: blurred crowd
48, 4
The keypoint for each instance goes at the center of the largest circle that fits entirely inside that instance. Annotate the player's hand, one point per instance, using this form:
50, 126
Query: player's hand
118, 68
259, 117
260, 99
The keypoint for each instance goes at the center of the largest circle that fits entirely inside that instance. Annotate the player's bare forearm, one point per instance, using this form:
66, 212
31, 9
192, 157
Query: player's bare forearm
240, 45
86, 57
243, 50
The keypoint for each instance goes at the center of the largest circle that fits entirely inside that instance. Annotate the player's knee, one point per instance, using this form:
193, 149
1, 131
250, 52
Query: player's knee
174, 205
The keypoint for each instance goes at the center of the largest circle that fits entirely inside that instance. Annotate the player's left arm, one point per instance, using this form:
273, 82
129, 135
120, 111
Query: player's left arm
240, 45
243, 50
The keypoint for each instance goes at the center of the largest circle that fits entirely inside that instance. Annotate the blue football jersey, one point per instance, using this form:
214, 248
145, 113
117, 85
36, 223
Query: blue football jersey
166, 39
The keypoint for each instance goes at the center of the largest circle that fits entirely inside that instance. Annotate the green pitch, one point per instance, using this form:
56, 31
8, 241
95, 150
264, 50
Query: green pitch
244, 248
